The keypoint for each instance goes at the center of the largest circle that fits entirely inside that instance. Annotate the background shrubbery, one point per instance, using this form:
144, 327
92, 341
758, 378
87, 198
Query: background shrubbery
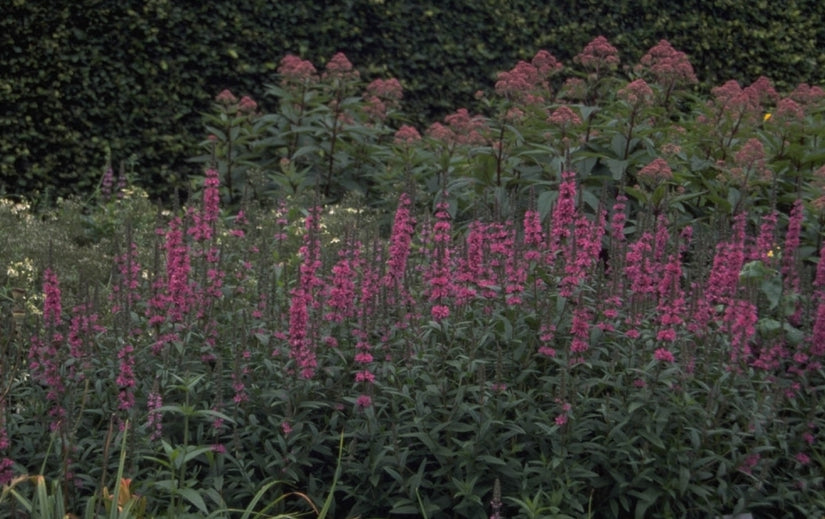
87, 82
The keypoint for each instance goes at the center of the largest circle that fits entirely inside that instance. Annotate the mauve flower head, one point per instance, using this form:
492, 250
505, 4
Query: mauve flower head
637, 93
467, 129
564, 117
728, 93
731, 98
247, 105
527, 82
546, 64
598, 55
382, 95
296, 70
574, 89
762, 91
439, 132
388, 89
751, 157
339, 67
514, 114
788, 112
406, 135
226, 97
667, 65
461, 128
518, 82
363, 401
655, 173
807, 95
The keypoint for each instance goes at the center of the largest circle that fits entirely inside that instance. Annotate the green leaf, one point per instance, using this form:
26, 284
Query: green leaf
194, 498
193, 453
684, 480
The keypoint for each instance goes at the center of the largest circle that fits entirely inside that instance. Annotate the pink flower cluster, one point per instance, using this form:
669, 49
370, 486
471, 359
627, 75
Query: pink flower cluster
655, 173
382, 96
406, 135
340, 68
296, 71
750, 163
598, 56
527, 82
231, 104
461, 129
637, 94
565, 118
668, 66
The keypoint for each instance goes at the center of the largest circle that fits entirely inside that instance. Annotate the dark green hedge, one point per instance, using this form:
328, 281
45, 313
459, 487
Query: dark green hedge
82, 80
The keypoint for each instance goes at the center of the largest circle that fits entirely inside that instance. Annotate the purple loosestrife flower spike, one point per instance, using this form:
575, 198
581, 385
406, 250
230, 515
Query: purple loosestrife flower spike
564, 213
440, 284
402, 232
45, 354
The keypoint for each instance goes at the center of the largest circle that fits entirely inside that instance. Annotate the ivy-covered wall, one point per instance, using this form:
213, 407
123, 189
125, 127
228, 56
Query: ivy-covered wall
82, 81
